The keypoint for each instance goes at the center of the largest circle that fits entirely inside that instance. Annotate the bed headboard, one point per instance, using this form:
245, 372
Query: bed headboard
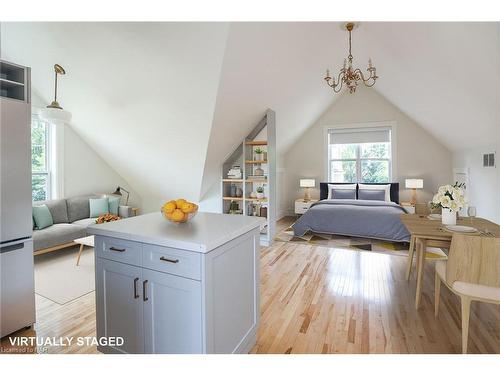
394, 190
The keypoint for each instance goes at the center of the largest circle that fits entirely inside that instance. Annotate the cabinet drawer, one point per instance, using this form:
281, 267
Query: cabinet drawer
120, 250
176, 262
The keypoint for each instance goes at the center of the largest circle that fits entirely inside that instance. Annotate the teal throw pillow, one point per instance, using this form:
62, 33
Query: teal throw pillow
114, 203
42, 217
98, 207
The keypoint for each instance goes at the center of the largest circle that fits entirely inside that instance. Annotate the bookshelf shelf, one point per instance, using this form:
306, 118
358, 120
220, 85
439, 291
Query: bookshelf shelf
262, 139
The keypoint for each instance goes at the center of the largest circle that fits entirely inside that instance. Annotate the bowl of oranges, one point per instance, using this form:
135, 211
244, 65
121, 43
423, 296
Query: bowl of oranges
179, 210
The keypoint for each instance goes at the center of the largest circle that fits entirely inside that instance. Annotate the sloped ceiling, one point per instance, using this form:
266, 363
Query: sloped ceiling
443, 75
142, 95
165, 103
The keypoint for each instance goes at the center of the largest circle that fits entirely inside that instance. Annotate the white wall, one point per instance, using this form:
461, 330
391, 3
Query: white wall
86, 172
81, 170
484, 182
418, 154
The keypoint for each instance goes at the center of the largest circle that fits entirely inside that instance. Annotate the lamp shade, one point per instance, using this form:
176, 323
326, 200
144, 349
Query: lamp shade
307, 182
414, 183
55, 115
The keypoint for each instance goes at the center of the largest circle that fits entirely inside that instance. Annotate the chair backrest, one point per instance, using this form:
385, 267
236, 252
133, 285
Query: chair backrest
474, 259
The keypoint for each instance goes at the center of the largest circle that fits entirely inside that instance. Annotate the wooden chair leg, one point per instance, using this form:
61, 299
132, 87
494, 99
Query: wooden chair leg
79, 255
437, 291
465, 322
410, 258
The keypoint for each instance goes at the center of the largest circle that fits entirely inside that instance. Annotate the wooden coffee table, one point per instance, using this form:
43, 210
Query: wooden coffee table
84, 241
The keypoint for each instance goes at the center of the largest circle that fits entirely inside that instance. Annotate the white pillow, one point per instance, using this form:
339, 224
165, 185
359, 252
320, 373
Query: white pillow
340, 187
386, 188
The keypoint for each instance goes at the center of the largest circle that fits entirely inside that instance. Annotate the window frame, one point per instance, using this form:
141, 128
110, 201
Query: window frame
48, 157
361, 127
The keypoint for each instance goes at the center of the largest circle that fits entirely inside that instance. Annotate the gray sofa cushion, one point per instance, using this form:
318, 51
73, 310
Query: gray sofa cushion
57, 208
57, 234
84, 222
78, 207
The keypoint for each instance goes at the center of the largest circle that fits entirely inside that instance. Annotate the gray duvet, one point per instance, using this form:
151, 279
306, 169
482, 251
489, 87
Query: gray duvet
358, 218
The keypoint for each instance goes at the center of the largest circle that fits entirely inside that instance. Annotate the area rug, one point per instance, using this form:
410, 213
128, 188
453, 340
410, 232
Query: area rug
355, 243
59, 279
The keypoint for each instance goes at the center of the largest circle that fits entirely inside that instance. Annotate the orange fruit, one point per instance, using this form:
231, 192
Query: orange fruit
179, 202
178, 216
169, 207
167, 215
188, 208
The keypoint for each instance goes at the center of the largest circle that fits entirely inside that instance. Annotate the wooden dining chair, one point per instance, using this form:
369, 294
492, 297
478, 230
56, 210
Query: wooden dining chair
472, 272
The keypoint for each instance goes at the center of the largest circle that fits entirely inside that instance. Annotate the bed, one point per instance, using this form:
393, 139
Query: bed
374, 219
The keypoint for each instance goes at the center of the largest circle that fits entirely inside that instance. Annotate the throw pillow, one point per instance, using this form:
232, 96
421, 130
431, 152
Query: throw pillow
98, 206
371, 195
114, 203
343, 193
42, 216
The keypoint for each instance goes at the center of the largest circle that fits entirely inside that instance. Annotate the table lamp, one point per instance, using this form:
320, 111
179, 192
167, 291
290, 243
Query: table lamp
307, 183
414, 184
119, 193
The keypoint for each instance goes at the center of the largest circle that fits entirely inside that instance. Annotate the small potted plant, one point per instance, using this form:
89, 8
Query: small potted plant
259, 154
450, 199
260, 192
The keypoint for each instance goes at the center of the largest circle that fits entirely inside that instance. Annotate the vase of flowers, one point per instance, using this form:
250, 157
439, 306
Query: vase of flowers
450, 198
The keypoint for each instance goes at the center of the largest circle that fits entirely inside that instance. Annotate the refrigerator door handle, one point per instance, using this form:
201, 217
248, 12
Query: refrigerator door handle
13, 247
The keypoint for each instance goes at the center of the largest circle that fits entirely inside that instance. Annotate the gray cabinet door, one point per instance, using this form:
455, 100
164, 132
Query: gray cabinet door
15, 170
172, 314
120, 305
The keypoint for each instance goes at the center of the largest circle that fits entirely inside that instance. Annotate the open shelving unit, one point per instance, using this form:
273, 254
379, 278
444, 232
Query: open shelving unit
255, 173
14, 81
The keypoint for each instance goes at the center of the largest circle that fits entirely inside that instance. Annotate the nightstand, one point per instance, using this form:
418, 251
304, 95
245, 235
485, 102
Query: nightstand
301, 206
409, 208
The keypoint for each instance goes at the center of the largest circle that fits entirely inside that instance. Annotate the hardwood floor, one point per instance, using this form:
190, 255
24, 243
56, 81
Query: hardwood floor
324, 300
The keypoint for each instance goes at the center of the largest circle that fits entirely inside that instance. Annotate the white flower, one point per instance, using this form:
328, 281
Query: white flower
454, 206
436, 199
445, 201
443, 189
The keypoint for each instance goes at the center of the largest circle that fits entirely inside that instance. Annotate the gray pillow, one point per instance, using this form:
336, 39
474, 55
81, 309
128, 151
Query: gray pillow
343, 193
57, 208
371, 195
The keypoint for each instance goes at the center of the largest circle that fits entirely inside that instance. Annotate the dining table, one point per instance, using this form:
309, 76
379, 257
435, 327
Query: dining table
428, 231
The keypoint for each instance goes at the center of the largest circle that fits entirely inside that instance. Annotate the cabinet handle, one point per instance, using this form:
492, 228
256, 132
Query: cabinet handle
144, 288
116, 249
169, 260
136, 295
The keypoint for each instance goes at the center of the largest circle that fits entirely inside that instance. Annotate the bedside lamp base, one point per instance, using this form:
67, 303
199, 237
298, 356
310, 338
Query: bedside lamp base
413, 199
307, 195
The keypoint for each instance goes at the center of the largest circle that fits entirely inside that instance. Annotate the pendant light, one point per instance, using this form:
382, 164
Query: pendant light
54, 112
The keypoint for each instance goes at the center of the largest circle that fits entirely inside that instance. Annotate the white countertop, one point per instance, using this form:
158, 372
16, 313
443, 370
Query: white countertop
203, 233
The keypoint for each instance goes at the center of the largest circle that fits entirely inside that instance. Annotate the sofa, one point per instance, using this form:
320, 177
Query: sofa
71, 218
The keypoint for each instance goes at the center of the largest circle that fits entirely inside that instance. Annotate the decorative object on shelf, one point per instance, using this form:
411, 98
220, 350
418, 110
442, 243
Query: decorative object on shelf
179, 210
263, 211
307, 183
54, 112
260, 192
254, 177
348, 75
451, 199
232, 192
106, 218
414, 184
235, 172
259, 172
234, 208
253, 194
265, 155
118, 192
239, 192
258, 154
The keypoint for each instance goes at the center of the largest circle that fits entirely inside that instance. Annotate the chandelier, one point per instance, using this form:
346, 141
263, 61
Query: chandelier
348, 75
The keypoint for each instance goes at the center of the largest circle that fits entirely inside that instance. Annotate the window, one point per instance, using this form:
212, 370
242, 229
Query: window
359, 155
40, 159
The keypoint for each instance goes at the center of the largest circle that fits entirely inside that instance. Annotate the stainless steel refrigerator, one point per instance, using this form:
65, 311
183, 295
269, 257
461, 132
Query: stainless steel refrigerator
17, 295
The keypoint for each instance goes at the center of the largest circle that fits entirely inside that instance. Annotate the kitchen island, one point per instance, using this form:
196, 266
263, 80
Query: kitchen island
178, 288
